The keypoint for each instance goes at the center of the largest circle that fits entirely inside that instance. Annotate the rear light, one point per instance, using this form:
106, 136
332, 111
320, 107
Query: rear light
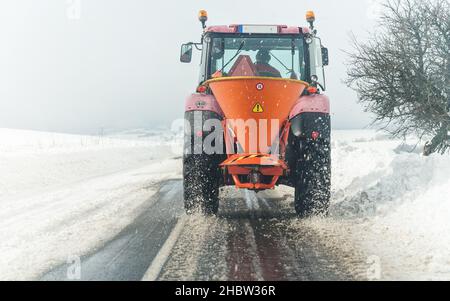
201, 89
315, 135
312, 90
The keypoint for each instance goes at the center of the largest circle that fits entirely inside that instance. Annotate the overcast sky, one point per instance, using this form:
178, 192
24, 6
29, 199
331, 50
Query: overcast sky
115, 63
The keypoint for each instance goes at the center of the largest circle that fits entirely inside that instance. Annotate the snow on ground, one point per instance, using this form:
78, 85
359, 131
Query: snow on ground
391, 204
63, 195
67, 194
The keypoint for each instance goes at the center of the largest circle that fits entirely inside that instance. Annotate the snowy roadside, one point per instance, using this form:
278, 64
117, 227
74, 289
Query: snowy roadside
63, 195
391, 206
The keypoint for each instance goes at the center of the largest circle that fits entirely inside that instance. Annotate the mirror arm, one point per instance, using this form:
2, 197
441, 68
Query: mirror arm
197, 46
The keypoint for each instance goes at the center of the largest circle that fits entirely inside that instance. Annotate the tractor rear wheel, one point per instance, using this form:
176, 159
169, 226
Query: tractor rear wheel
202, 175
201, 185
313, 181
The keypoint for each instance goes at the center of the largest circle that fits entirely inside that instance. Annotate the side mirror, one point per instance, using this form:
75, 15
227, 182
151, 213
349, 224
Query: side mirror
325, 59
186, 53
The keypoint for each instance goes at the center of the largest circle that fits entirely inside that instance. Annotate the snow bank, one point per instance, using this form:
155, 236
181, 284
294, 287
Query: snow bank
391, 203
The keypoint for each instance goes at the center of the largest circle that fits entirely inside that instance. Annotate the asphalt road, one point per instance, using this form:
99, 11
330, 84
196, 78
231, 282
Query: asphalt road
254, 237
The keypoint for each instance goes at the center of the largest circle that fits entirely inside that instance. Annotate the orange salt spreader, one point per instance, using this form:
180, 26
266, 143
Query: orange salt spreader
259, 117
255, 110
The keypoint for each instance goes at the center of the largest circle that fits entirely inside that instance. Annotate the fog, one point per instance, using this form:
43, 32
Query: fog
79, 66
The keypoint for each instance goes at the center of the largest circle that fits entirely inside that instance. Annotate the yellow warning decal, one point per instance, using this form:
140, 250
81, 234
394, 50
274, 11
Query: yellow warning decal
258, 108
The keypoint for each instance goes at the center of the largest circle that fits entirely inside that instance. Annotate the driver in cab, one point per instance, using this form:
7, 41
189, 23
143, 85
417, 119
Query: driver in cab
262, 66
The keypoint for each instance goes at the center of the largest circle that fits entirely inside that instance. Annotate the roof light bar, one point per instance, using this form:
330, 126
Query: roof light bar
257, 29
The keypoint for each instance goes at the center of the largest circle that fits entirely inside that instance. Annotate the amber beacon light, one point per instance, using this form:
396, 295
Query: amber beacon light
203, 17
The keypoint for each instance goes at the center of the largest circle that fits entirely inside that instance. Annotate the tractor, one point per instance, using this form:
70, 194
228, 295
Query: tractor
259, 117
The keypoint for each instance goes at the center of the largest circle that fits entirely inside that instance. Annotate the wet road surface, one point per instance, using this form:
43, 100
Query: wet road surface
254, 237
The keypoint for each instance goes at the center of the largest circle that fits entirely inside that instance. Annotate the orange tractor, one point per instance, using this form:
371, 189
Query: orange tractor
259, 117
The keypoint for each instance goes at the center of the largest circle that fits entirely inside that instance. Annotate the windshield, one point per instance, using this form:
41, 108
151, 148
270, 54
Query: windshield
281, 57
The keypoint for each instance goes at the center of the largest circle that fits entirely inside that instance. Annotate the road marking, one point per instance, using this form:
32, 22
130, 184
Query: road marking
251, 200
160, 259
265, 202
248, 202
256, 261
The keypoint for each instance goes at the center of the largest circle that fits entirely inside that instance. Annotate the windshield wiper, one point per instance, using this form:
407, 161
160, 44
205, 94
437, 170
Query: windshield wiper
291, 71
237, 53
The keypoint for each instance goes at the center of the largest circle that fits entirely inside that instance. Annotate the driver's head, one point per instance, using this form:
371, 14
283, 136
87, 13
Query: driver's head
263, 56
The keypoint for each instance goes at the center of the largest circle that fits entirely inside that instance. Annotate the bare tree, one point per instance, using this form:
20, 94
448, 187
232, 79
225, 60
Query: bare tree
402, 73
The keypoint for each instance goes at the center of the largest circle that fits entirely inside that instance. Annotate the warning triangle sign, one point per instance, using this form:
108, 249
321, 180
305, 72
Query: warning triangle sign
258, 108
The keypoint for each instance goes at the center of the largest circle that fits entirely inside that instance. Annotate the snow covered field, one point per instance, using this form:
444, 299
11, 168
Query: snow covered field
64, 195
391, 206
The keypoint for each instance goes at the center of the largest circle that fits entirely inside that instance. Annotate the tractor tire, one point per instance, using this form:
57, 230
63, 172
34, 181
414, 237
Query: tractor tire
202, 175
313, 181
201, 185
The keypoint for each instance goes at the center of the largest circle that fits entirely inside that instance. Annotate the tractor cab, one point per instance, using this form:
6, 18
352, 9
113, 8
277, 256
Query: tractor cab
260, 50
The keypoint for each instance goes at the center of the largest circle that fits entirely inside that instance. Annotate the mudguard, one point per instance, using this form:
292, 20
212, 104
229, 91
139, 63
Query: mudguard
311, 114
316, 103
303, 126
195, 126
203, 107
203, 102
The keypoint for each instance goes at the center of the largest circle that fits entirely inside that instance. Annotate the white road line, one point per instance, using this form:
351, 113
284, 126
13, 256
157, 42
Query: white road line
256, 260
160, 259
265, 202
251, 200
255, 201
248, 201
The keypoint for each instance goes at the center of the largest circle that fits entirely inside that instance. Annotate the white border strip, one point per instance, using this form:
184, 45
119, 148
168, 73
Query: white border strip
160, 259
